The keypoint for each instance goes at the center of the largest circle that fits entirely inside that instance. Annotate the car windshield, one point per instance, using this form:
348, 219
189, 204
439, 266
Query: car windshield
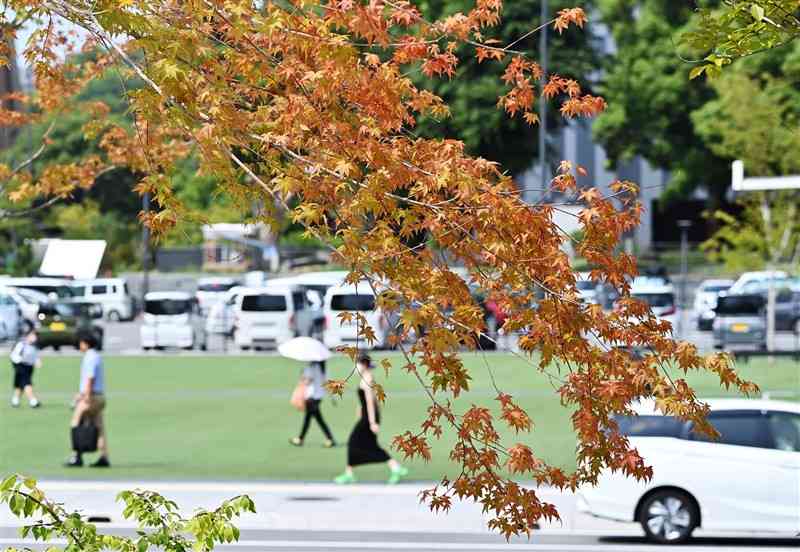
656, 300
740, 304
59, 309
263, 303
353, 302
62, 292
216, 287
716, 288
167, 306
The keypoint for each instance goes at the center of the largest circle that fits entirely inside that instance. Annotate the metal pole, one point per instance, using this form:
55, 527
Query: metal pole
145, 248
770, 311
684, 226
542, 99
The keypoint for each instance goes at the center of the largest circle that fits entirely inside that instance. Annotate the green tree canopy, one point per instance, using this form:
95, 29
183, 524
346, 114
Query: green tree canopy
473, 90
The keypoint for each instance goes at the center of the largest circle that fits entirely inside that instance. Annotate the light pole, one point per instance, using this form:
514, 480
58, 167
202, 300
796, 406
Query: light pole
684, 225
542, 99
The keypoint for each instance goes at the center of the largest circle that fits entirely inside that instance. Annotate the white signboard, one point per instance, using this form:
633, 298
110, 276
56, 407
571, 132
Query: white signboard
79, 259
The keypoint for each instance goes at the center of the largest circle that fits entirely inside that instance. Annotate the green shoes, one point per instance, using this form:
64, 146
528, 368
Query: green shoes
397, 475
345, 479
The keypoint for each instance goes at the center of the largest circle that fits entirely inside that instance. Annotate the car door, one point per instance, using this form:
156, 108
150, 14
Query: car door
739, 483
785, 458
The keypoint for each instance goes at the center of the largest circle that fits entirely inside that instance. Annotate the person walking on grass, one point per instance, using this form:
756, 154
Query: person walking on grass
362, 446
91, 401
314, 379
24, 358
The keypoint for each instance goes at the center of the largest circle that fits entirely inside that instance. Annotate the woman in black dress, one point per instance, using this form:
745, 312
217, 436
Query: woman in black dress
362, 446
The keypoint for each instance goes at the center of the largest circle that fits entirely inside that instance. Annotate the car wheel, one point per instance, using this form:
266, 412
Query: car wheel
56, 348
668, 517
114, 316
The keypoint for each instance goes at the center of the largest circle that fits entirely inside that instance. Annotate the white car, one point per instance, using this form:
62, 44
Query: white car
10, 316
212, 290
221, 318
266, 317
110, 293
56, 289
757, 282
747, 481
28, 302
353, 299
172, 319
660, 298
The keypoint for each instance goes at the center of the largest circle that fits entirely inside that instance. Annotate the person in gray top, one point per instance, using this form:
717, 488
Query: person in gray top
91, 399
314, 378
24, 358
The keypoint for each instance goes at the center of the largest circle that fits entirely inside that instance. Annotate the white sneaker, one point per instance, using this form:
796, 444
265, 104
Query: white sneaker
34, 403
15, 402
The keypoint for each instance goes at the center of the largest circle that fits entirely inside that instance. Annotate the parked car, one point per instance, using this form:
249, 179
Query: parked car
221, 316
758, 282
56, 289
11, 320
740, 321
111, 294
659, 297
172, 319
59, 324
747, 481
705, 299
354, 299
787, 309
266, 317
28, 302
212, 290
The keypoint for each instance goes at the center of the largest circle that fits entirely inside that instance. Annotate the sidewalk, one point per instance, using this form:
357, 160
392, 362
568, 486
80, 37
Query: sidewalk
311, 506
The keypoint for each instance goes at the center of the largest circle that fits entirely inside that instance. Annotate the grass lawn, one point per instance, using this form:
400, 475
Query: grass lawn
217, 418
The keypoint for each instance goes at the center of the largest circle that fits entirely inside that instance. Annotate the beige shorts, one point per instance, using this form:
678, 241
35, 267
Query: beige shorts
93, 410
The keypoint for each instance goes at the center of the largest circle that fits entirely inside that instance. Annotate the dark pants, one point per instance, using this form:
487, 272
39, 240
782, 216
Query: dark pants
23, 375
313, 411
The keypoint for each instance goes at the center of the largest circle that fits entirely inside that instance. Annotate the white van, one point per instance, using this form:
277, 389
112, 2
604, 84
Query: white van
55, 288
266, 317
110, 293
661, 300
10, 316
212, 290
355, 299
172, 319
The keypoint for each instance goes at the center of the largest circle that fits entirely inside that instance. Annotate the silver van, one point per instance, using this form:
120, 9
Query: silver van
740, 322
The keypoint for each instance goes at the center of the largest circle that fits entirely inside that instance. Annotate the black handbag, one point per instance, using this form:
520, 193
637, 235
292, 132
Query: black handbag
84, 436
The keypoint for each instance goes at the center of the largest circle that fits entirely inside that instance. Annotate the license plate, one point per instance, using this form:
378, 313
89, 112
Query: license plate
740, 328
265, 325
58, 326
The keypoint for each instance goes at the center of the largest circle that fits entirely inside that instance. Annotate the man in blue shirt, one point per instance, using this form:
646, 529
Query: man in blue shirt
91, 400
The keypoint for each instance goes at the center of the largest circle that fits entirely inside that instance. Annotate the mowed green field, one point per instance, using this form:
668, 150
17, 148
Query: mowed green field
223, 418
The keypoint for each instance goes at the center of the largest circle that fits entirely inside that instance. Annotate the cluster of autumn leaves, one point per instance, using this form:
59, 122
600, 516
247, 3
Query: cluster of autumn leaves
307, 107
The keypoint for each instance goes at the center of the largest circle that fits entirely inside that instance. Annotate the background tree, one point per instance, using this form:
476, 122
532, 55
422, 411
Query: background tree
294, 103
651, 99
766, 137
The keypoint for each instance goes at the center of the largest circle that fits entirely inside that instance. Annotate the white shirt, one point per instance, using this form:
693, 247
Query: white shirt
316, 386
24, 353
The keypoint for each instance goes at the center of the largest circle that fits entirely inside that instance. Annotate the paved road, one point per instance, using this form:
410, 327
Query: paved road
325, 517
379, 541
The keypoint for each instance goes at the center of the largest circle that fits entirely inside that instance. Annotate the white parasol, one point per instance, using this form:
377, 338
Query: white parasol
306, 349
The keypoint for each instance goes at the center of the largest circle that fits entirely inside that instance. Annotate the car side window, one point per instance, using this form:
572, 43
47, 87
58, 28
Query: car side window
784, 296
99, 290
785, 430
79, 291
744, 429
